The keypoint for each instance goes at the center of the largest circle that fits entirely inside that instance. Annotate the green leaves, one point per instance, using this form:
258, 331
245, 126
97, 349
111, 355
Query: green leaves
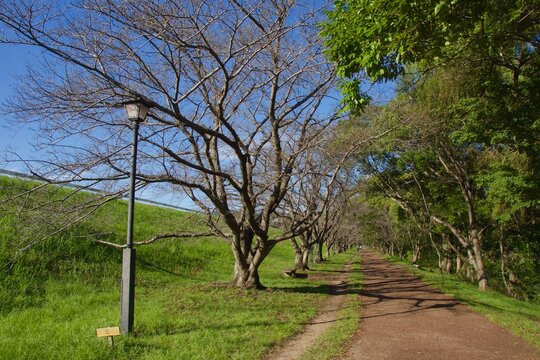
508, 185
439, 7
353, 98
380, 38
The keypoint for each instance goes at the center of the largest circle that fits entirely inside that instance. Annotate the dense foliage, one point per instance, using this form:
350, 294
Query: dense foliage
457, 178
381, 38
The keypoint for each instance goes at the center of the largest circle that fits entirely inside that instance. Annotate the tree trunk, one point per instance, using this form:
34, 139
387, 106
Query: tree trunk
480, 272
248, 260
458, 264
503, 270
446, 264
319, 252
474, 252
469, 273
458, 170
305, 258
416, 253
301, 256
298, 258
437, 251
247, 278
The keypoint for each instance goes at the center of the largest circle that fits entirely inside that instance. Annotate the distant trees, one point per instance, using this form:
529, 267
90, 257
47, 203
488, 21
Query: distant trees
240, 91
318, 200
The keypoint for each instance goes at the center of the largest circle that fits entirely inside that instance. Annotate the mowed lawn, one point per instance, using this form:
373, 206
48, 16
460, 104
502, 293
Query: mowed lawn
54, 296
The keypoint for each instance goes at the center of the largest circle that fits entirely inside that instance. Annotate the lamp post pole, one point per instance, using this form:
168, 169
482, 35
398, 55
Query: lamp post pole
136, 113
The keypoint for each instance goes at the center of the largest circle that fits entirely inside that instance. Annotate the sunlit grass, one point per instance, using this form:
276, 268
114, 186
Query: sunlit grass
59, 292
175, 318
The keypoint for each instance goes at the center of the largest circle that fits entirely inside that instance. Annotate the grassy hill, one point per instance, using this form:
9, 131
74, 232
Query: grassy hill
54, 296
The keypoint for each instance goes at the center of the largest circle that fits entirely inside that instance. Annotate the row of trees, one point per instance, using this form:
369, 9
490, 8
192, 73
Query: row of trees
458, 177
245, 108
242, 108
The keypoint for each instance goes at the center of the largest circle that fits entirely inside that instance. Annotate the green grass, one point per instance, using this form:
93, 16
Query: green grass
520, 317
175, 319
56, 294
331, 343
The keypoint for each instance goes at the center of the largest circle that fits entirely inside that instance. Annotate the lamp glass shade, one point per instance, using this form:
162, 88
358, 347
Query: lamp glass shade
136, 111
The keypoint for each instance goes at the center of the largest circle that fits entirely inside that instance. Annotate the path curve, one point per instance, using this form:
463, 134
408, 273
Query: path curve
295, 347
404, 318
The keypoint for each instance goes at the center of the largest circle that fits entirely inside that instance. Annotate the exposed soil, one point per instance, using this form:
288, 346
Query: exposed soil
328, 315
404, 318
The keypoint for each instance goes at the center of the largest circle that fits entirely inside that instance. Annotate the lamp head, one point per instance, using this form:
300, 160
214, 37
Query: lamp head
136, 110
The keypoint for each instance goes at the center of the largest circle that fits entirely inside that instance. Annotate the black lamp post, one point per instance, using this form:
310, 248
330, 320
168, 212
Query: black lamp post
136, 112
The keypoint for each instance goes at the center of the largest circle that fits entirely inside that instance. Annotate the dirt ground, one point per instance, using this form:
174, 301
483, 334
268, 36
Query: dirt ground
296, 346
403, 318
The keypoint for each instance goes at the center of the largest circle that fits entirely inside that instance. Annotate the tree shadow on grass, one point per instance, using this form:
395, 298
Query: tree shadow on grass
332, 271
339, 289
156, 267
502, 309
179, 329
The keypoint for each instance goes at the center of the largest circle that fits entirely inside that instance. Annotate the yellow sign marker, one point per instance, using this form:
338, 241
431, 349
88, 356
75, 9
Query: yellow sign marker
108, 332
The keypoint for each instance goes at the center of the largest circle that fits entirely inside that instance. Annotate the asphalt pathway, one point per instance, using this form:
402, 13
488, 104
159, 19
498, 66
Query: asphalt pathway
404, 318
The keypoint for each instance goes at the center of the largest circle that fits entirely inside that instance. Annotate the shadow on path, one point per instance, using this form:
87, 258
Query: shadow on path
404, 318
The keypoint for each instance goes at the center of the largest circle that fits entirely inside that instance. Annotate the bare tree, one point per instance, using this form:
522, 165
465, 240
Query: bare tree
239, 90
317, 197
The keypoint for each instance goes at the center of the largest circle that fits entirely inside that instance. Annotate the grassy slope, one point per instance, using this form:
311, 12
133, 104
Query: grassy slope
58, 293
521, 318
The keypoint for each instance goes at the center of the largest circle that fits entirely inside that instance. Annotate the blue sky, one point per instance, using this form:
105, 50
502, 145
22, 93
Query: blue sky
13, 62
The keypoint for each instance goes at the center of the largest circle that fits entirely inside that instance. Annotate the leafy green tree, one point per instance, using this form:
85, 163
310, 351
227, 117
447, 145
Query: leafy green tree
467, 119
379, 38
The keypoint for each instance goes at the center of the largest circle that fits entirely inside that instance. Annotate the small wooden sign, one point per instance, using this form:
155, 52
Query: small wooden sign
108, 332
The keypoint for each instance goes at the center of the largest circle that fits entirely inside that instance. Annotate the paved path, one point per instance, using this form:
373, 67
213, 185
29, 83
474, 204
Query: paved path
403, 318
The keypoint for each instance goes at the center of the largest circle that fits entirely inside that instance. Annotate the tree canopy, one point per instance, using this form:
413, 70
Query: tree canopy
462, 158
382, 38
